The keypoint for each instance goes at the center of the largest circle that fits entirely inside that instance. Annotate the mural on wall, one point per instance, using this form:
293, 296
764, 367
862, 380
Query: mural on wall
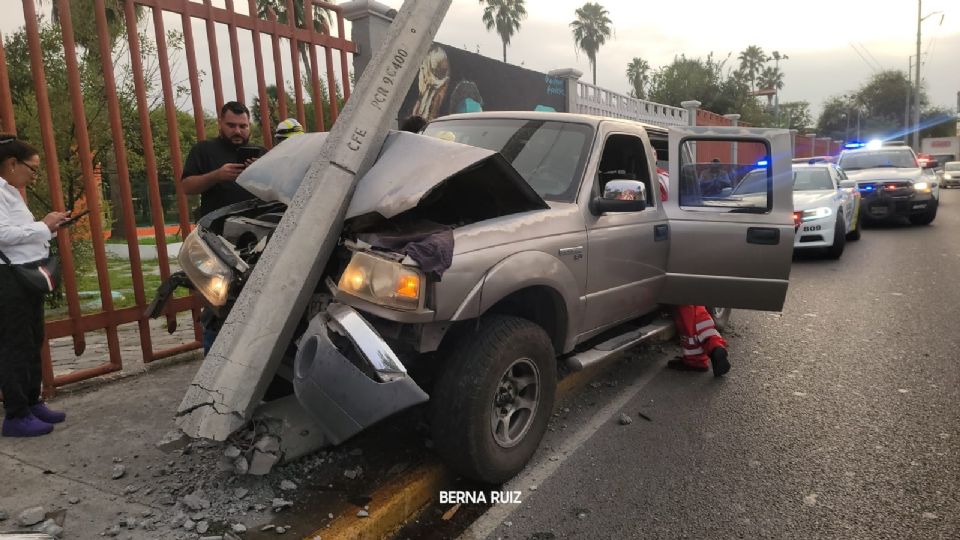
453, 81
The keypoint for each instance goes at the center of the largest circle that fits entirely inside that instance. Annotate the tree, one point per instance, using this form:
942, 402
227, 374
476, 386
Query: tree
320, 22
751, 62
637, 74
591, 29
505, 17
838, 116
771, 78
797, 114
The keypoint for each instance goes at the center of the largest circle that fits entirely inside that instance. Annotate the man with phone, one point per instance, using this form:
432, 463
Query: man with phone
211, 171
212, 166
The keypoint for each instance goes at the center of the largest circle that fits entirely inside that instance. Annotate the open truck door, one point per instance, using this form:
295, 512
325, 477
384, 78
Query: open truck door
730, 213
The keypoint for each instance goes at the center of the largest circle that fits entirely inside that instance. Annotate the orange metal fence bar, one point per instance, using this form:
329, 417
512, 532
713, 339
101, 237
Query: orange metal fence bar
6, 100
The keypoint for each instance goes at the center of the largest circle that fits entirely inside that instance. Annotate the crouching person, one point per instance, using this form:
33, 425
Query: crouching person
702, 344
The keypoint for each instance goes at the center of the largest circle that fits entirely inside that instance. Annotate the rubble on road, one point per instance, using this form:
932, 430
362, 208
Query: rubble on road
31, 516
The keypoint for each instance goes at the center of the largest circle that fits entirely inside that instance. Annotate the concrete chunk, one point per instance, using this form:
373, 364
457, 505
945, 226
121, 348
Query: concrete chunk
31, 516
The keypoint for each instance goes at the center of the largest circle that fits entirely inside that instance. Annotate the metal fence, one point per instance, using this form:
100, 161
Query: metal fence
112, 25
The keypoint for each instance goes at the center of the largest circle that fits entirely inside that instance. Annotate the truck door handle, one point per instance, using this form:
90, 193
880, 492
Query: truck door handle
767, 236
661, 232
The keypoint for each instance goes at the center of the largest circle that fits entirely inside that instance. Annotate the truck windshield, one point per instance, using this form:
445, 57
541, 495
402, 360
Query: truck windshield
880, 158
952, 167
549, 155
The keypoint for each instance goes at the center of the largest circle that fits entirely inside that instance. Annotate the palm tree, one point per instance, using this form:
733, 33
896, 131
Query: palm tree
590, 31
637, 75
505, 16
771, 78
751, 62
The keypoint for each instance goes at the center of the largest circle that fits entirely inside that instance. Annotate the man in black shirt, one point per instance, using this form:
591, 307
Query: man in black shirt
211, 168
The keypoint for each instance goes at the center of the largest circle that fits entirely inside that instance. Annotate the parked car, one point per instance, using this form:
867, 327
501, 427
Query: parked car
828, 214
951, 173
891, 183
558, 248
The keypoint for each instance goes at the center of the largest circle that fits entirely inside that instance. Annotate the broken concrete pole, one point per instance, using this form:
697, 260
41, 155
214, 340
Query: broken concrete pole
245, 356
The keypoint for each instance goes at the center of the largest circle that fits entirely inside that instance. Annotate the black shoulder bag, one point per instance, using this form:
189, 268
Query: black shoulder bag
39, 277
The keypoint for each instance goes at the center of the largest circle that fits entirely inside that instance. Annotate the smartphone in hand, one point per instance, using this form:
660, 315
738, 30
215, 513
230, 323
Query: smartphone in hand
245, 153
74, 219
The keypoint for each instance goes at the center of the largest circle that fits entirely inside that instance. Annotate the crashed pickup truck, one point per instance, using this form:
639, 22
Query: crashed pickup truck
477, 256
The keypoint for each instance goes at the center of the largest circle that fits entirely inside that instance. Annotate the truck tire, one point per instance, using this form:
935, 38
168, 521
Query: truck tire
491, 404
854, 235
839, 240
721, 317
925, 218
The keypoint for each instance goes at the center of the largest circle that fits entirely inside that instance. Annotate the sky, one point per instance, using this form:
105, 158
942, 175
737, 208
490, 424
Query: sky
815, 34
818, 36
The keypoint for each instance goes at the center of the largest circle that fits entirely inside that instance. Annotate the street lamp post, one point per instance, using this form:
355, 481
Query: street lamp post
916, 94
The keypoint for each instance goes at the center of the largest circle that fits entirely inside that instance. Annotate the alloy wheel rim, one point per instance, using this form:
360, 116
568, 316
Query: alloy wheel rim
515, 402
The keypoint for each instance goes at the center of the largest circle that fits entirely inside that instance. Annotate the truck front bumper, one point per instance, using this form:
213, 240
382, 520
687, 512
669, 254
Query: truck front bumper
347, 377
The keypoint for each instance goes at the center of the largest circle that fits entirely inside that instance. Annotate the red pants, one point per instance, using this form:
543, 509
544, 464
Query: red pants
698, 334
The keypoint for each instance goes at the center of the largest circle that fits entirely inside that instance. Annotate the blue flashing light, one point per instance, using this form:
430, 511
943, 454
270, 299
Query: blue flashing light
762, 163
868, 187
852, 145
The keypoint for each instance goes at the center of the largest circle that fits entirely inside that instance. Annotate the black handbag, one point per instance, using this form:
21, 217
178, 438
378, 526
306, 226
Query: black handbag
39, 277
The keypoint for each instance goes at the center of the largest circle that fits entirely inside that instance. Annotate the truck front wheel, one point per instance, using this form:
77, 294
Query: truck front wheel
492, 402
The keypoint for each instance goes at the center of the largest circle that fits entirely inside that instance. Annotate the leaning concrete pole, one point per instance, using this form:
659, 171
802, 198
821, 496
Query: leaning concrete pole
248, 350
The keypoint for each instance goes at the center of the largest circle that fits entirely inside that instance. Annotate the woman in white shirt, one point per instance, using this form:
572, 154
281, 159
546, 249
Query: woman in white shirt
22, 240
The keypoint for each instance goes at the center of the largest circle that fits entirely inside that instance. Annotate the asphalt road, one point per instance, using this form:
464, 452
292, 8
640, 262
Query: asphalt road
840, 418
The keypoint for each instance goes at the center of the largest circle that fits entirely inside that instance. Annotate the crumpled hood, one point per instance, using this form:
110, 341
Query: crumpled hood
880, 174
409, 169
805, 200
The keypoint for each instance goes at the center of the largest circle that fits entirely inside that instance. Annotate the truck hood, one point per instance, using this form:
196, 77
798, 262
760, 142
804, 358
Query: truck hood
558, 219
409, 169
805, 200
884, 173
412, 167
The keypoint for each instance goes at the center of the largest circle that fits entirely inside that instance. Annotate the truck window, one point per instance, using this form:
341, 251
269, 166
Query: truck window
624, 158
549, 155
725, 176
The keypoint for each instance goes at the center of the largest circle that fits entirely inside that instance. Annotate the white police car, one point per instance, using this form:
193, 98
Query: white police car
826, 214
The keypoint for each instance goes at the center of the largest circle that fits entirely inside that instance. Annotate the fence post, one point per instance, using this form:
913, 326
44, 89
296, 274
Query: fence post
369, 22
570, 77
734, 121
691, 106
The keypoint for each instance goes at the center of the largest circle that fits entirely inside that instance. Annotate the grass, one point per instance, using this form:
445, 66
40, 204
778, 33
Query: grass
121, 281
146, 240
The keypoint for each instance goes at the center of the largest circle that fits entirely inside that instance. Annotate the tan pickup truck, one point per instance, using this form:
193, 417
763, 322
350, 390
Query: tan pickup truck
479, 255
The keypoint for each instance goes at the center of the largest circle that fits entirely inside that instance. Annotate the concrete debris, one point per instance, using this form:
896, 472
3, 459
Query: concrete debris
240, 466
279, 504
929, 515
195, 501
118, 472
189, 525
268, 527
350, 473
240, 493
231, 452
625, 419
31, 516
203, 527
112, 531
268, 443
281, 530
363, 514
51, 528
217, 537
287, 485
130, 489
173, 440
238, 528
262, 463
73, 499
810, 500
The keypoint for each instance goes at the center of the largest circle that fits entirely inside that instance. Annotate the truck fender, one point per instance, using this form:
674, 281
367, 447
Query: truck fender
520, 271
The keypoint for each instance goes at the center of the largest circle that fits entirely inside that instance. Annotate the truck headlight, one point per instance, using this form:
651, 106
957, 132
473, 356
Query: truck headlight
816, 213
921, 186
382, 281
208, 274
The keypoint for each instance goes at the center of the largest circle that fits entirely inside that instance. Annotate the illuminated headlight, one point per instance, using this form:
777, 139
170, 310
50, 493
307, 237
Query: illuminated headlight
816, 213
208, 274
921, 186
382, 281
947, 176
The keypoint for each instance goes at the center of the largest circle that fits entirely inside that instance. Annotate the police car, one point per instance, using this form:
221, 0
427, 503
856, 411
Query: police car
826, 214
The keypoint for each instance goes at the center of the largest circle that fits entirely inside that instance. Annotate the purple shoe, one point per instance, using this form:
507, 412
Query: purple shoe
44, 413
25, 426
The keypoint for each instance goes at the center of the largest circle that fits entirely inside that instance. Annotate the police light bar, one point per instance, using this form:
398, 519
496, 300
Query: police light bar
852, 145
762, 163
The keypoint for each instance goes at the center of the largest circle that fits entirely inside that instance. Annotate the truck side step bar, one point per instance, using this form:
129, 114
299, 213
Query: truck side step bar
660, 329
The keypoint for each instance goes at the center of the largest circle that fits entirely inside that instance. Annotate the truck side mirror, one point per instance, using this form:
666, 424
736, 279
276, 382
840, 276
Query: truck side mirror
621, 196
